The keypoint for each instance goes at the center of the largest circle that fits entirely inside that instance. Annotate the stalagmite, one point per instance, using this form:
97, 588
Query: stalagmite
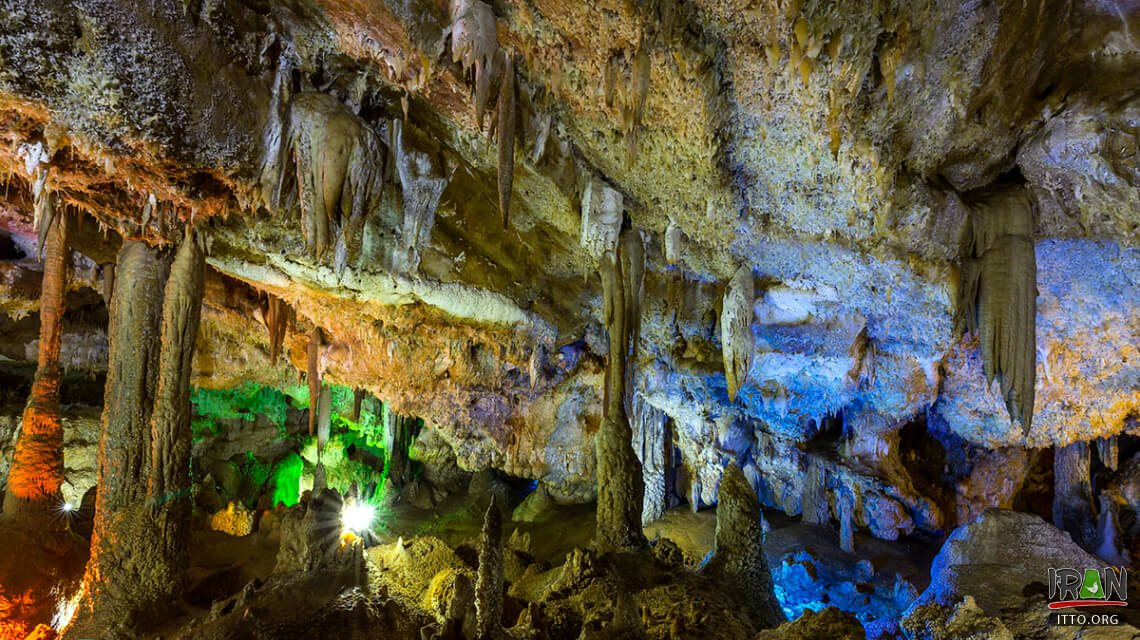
1072, 493
621, 489
506, 131
998, 295
1108, 532
737, 342
36, 471
739, 554
815, 508
489, 579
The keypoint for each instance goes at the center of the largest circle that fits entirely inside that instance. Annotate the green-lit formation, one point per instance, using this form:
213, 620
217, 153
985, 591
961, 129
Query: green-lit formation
358, 457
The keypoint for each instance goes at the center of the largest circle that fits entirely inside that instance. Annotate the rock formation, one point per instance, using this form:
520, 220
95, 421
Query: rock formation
36, 471
739, 555
883, 256
621, 488
489, 580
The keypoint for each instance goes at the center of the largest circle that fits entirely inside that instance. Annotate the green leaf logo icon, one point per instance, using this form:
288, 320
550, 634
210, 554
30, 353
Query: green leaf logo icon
1091, 588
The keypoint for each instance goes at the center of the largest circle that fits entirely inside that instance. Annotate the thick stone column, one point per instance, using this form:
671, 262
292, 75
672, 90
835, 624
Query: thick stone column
140, 543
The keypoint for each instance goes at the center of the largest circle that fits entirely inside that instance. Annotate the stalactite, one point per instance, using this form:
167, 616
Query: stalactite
739, 555
474, 44
673, 239
108, 282
609, 79
489, 578
313, 375
45, 213
737, 342
168, 484
1109, 451
357, 400
998, 295
602, 208
506, 130
621, 489
1072, 493
421, 188
633, 289
638, 93
323, 410
36, 473
339, 165
277, 321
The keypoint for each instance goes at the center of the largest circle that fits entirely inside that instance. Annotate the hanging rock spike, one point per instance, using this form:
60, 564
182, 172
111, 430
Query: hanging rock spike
506, 128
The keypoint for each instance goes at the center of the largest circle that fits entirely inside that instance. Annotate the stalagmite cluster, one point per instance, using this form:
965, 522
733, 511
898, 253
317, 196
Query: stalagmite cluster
998, 295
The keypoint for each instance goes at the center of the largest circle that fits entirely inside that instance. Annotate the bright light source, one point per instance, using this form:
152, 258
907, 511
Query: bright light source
67, 507
357, 516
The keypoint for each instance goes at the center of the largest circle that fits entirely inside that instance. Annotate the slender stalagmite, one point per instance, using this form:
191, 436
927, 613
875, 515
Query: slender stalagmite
621, 488
37, 464
489, 580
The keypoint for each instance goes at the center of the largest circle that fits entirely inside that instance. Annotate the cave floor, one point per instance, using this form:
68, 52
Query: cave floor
223, 564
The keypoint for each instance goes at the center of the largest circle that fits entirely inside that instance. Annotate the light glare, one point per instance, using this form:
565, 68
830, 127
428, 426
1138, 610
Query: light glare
357, 516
